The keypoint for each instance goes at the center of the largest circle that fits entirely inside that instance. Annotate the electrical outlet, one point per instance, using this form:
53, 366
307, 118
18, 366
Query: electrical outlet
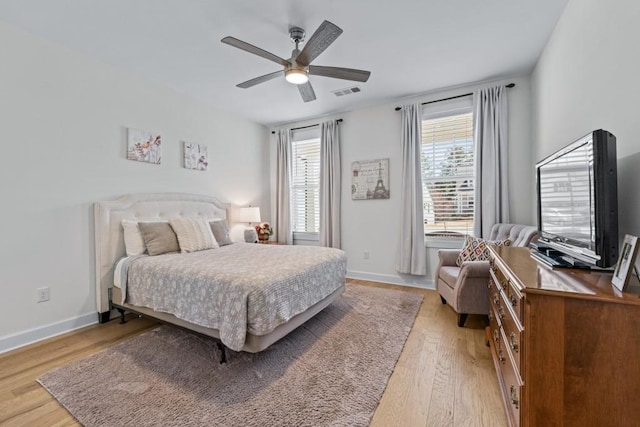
366, 254
43, 294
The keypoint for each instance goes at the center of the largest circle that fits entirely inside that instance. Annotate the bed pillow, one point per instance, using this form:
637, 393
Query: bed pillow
221, 232
193, 234
159, 238
133, 241
477, 249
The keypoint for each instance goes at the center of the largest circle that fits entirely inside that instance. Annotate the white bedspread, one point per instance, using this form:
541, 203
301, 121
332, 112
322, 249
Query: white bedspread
237, 288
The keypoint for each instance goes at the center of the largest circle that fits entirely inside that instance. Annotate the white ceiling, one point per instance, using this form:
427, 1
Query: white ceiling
410, 46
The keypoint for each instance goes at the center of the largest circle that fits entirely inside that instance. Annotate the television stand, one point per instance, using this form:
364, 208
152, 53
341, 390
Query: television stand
564, 343
554, 258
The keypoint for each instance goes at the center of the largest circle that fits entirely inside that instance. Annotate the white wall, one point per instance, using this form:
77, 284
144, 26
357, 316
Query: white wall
586, 79
372, 225
63, 134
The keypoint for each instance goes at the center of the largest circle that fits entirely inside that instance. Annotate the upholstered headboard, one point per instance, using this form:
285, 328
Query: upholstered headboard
109, 235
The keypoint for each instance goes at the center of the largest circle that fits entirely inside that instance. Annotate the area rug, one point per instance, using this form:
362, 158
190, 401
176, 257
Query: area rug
331, 371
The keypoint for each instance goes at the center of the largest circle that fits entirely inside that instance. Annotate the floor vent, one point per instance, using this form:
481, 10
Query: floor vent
347, 91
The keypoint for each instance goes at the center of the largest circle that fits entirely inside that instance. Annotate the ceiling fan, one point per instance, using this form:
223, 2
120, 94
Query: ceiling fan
298, 68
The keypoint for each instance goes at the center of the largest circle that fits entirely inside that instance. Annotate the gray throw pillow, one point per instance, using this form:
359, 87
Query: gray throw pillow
159, 237
221, 232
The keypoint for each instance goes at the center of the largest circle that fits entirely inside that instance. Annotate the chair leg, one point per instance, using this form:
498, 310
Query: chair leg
462, 317
444, 301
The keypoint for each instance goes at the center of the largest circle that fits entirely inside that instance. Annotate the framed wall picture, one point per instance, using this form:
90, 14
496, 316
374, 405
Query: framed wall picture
143, 146
370, 179
625, 263
196, 156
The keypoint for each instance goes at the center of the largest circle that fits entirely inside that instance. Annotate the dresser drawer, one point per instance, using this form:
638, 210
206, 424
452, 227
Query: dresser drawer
492, 284
498, 277
496, 302
513, 338
514, 300
512, 387
494, 330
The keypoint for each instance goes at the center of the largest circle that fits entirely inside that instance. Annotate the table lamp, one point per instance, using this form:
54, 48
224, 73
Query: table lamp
250, 215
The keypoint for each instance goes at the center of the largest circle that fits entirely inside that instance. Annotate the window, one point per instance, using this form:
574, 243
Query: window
305, 181
447, 159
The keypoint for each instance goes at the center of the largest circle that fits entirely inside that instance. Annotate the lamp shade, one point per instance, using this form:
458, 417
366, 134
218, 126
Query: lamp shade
250, 214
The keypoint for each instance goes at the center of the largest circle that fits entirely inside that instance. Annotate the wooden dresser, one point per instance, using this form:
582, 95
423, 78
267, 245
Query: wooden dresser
565, 343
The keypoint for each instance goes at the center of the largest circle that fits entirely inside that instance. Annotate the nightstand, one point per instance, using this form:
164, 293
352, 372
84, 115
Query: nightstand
271, 243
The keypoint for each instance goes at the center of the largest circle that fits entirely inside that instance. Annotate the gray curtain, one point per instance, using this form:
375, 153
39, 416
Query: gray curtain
330, 185
411, 257
283, 173
491, 178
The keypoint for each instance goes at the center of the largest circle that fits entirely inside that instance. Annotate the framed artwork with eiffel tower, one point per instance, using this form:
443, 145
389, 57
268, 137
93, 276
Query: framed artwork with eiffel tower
370, 179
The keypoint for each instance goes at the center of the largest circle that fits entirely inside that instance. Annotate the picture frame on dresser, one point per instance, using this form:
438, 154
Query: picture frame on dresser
626, 262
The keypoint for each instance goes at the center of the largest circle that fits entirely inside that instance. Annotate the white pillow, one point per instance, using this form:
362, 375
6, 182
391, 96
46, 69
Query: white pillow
193, 234
133, 241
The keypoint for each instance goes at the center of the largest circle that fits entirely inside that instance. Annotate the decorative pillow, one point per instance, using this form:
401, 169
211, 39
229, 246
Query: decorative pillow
193, 234
221, 231
477, 249
133, 241
159, 238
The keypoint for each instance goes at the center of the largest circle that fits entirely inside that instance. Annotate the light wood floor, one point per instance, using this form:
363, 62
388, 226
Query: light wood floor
444, 377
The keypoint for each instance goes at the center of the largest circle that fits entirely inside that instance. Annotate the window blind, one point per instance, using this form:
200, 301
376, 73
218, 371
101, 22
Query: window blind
305, 185
447, 161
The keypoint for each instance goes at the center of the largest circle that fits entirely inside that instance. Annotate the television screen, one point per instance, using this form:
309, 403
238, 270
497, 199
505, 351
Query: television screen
578, 202
567, 207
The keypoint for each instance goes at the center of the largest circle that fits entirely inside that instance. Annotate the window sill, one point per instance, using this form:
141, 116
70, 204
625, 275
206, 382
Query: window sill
312, 237
440, 242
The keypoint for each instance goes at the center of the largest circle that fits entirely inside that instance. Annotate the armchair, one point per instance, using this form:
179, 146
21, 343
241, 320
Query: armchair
464, 288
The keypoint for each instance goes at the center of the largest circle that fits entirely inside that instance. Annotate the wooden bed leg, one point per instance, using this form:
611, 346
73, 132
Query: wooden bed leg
121, 311
223, 351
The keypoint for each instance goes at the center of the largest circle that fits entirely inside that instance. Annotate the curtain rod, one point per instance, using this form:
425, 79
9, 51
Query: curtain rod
273, 132
510, 85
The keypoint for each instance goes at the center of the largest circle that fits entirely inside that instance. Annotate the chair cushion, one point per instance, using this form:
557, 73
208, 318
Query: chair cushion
477, 249
449, 275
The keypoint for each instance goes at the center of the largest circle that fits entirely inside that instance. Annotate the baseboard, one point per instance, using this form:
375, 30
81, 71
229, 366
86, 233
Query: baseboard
394, 279
11, 342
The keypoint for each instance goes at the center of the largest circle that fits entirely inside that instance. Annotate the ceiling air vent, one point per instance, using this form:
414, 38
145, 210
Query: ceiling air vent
347, 91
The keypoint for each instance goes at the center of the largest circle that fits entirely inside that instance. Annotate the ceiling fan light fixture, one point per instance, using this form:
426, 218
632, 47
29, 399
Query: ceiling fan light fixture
296, 76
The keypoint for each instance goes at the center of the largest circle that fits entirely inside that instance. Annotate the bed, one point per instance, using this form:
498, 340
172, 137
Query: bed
230, 283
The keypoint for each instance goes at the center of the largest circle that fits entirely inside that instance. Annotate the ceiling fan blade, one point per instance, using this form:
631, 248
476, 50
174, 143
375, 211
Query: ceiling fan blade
232, 41
261, 79
326, 34
340, 73
306, 91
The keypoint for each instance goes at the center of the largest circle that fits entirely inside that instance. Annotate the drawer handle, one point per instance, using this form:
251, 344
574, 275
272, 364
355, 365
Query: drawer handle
501, 312
496, 299
514, 396
501, 356
496, 335
513, 343
513, 300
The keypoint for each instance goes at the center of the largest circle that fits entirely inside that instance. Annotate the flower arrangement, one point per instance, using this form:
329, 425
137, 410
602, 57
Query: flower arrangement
264, 228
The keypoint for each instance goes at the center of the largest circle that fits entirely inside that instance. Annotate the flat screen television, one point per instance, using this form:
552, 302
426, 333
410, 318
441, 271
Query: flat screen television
577, 195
